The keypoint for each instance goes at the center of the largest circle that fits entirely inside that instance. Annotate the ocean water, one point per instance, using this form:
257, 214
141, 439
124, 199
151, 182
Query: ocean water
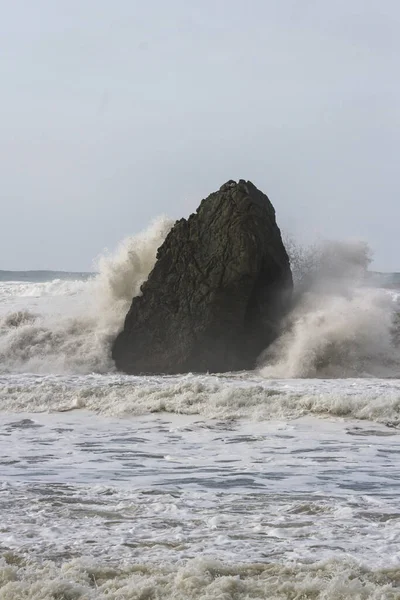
282, 483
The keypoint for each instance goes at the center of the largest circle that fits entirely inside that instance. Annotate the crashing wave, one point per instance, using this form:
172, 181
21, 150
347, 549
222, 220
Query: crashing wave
80, 343
338, 326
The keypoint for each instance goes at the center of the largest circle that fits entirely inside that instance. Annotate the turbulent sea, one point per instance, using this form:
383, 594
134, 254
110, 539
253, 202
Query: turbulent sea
282, 483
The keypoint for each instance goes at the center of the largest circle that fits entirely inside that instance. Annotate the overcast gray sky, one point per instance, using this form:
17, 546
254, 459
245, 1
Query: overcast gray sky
113, 112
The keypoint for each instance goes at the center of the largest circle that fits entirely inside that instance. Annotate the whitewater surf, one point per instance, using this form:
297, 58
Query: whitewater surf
276, 483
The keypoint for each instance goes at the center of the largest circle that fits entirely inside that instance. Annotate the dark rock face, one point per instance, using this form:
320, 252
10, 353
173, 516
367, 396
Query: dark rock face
215, 297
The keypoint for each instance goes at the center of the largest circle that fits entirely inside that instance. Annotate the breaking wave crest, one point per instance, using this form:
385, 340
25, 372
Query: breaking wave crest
212, 397
81, 341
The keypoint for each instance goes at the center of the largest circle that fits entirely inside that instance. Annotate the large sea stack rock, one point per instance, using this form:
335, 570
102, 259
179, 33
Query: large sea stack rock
217, 293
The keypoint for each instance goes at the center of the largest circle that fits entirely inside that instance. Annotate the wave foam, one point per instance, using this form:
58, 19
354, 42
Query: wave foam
199, 579
213, 397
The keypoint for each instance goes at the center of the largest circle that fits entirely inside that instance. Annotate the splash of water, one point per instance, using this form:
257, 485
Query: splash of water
338, 327
81, 343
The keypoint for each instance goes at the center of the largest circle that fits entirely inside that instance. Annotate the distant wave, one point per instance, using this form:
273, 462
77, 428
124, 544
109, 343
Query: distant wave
36, 276
384, 280
36, 289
